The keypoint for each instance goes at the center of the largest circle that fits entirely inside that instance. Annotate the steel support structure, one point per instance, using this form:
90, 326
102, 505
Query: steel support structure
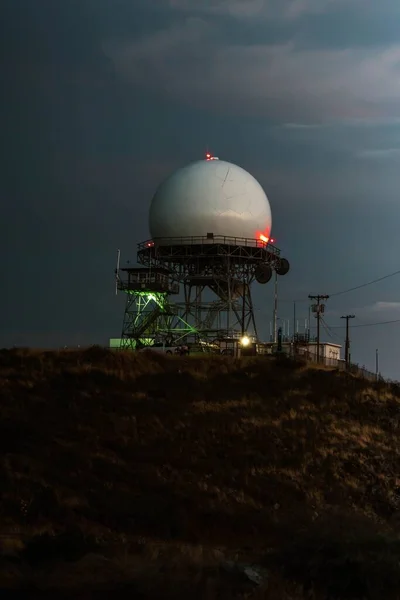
149, 314
215, 273
219, 307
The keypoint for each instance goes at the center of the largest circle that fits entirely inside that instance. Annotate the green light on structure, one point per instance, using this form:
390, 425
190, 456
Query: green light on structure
150, 315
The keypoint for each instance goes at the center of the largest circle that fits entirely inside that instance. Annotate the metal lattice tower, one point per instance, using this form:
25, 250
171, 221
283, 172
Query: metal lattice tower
215, 274
149, 312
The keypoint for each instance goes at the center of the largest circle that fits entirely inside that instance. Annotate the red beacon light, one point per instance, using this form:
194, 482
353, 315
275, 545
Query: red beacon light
211, 157
266, 239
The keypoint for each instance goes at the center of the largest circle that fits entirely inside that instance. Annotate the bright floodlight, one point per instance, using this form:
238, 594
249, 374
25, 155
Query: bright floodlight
210, 196
245, 341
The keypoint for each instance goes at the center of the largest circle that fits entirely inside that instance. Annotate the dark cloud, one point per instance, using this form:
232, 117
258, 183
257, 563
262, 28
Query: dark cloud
104, 99
188, 62
309, 23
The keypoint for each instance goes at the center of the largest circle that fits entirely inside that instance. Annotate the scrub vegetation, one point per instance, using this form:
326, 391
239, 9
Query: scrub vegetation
160, 477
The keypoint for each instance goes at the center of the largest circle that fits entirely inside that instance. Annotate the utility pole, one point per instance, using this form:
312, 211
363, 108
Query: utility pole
294, 330
276, 309
294, 320
243, 304
347, 344
377, 363
318, 309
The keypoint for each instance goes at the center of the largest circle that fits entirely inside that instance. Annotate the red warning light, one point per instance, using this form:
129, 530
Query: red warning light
208, 156
272, 240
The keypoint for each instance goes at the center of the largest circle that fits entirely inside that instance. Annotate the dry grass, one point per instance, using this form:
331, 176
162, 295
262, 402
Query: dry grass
145, 474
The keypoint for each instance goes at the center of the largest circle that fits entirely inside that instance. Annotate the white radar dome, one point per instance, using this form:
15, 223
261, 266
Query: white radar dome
210, 196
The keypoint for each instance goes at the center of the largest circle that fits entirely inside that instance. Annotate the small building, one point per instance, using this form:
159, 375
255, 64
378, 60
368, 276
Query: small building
114, 343
327, 351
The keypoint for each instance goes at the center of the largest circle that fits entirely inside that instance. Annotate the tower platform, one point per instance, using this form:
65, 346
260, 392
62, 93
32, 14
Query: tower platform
207, 248
142, 279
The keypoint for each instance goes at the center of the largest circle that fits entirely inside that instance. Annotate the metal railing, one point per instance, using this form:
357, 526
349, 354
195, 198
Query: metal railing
204, 240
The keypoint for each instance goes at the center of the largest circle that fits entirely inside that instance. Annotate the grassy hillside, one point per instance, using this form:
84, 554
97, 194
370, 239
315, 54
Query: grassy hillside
159, 476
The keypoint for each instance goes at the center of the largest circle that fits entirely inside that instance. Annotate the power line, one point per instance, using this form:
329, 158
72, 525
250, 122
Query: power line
328, 329
363, 285
352, 289
366, 324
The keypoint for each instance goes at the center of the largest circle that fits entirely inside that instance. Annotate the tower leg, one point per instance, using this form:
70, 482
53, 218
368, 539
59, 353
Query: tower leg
142, 311
149, 317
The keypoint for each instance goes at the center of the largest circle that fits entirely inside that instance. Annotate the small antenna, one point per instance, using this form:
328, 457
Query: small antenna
117, 271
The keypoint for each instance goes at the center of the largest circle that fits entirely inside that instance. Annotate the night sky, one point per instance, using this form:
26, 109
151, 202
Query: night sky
104, 98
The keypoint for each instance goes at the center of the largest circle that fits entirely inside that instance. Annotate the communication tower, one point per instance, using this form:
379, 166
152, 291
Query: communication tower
211, 224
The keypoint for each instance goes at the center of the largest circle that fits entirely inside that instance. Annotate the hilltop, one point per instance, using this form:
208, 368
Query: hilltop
154, 476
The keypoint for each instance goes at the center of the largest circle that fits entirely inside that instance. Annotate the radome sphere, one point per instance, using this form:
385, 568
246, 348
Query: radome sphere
210, 196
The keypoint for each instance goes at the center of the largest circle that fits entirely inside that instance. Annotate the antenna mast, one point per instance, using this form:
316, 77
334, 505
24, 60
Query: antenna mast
117, 271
